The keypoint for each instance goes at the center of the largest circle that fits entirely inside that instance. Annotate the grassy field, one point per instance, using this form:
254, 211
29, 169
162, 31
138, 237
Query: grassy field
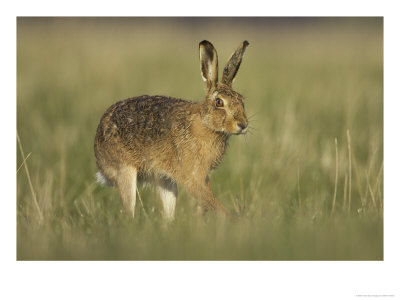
307, 180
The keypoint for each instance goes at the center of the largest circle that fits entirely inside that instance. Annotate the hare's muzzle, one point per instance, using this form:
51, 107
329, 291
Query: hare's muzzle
242, 128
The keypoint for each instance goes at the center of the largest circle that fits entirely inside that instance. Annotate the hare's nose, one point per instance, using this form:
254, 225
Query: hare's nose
242, 126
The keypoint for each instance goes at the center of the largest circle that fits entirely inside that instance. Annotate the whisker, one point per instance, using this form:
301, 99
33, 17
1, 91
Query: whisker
251, 118
253, 128
249, 131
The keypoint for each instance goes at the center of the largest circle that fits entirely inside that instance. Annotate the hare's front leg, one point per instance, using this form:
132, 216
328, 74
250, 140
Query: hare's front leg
168, 191
202, 191
126, 182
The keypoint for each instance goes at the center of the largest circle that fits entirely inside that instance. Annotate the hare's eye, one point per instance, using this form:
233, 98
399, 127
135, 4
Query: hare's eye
219, 102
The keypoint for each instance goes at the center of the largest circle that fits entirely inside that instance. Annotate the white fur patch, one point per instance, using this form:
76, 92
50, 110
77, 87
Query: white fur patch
101, 179
168, 199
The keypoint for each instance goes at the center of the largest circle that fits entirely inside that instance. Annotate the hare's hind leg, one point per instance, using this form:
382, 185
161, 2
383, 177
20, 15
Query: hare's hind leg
168, 191
126, 181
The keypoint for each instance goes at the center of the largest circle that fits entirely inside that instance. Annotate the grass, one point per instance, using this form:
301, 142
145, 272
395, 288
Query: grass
307, 180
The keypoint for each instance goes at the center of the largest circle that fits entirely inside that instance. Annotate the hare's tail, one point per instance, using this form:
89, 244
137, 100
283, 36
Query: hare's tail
101, 179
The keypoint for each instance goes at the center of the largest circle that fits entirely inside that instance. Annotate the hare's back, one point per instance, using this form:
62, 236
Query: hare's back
145, 119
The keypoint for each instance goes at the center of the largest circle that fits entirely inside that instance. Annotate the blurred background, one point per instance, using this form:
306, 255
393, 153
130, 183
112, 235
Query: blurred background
307, 180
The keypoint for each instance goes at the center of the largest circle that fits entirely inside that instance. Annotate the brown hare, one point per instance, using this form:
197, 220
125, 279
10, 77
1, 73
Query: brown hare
164, 141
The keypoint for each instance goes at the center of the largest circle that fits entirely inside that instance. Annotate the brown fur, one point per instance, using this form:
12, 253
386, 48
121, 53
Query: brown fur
165, 140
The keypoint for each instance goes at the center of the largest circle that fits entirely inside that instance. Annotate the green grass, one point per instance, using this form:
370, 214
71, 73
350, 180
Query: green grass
305, 86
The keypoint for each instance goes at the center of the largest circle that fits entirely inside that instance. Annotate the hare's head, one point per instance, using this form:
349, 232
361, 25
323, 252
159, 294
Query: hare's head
223, 109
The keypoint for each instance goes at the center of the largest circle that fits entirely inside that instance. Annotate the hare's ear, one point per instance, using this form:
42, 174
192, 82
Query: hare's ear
233, 64
209, 64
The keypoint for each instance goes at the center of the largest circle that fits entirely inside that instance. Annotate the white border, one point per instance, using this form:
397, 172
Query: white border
198, 280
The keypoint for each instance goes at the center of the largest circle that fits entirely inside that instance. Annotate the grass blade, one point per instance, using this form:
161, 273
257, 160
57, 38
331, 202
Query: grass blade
29, 179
